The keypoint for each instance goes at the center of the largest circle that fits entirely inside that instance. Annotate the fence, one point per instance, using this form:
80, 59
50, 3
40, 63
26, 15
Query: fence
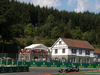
14, 69
50, 64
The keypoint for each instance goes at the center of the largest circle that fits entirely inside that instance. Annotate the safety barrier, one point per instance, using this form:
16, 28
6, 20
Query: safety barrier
14, 69
57, 64
51, 64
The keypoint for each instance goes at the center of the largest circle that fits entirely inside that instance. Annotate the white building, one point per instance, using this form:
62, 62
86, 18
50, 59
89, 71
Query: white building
75, 51
97, 55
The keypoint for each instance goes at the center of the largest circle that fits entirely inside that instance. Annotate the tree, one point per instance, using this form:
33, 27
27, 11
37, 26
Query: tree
29, 42
85, 36
17, 30
48, 43
29, 30
67, 32
98, 38
50, 20
91, 36
48, 26
69, 24
77, 33
55, 33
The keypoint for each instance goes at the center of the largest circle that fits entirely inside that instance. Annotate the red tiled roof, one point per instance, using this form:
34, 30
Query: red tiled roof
77, 43
97, 51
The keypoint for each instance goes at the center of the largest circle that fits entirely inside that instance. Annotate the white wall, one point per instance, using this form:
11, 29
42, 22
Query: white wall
63, 45
60, 47
96, 55
91, 53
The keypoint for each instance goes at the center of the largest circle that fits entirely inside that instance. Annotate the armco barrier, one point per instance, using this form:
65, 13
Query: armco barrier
14, 69
53, 64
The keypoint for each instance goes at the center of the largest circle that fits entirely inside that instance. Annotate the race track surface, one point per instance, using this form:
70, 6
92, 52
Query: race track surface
44, 70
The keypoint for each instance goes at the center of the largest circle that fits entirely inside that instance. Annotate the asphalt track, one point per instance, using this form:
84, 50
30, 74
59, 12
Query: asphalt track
44, 70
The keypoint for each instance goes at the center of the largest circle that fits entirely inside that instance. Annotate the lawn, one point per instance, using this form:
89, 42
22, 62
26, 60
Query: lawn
78, 73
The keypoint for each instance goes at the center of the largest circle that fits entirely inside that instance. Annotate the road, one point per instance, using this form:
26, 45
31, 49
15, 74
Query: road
42, 70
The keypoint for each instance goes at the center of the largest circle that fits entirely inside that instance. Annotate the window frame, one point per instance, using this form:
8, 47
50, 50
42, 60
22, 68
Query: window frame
63, 50
56, 51
59, 42
87, 52
80, 60
74, 51
73, 60
87, 60
80, 51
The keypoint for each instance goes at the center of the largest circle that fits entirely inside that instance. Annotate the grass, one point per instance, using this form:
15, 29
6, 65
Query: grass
78, 73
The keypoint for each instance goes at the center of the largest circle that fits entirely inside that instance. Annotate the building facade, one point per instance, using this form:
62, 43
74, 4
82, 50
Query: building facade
75, 51
96, 56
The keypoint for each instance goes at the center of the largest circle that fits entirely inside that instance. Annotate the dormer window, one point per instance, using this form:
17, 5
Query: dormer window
59, 42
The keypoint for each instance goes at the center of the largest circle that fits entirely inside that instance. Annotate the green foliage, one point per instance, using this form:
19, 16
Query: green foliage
17, 30
69, 24
55, 33
91, 36
16, 21
77, 33
29, 42
98, 38
85, 36
29, 30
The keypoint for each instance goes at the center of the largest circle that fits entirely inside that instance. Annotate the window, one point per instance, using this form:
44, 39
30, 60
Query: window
73, 60
80, 60
26, 58
74, 51
80, 51
59, 42
56, 51
98, 56
87, 52
87, 60
63, 50
21, 58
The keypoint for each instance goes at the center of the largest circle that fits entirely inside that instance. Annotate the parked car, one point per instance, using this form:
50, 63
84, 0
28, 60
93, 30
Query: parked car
70, 69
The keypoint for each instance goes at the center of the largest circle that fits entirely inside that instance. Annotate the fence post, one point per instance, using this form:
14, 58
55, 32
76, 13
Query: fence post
12, 62
17, 62
6, 62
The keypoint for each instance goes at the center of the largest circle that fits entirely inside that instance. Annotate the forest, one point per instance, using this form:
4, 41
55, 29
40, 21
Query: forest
21, 20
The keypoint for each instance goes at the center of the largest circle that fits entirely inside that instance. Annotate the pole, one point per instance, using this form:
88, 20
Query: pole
17, 62
6, 62
0, 62
12, 62
22, 62
2, 47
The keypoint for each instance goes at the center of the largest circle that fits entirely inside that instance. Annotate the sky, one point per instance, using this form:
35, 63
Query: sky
68, 5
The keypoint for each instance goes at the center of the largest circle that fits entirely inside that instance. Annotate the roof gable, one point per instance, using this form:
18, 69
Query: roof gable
56, 43
97, 51
77, 43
